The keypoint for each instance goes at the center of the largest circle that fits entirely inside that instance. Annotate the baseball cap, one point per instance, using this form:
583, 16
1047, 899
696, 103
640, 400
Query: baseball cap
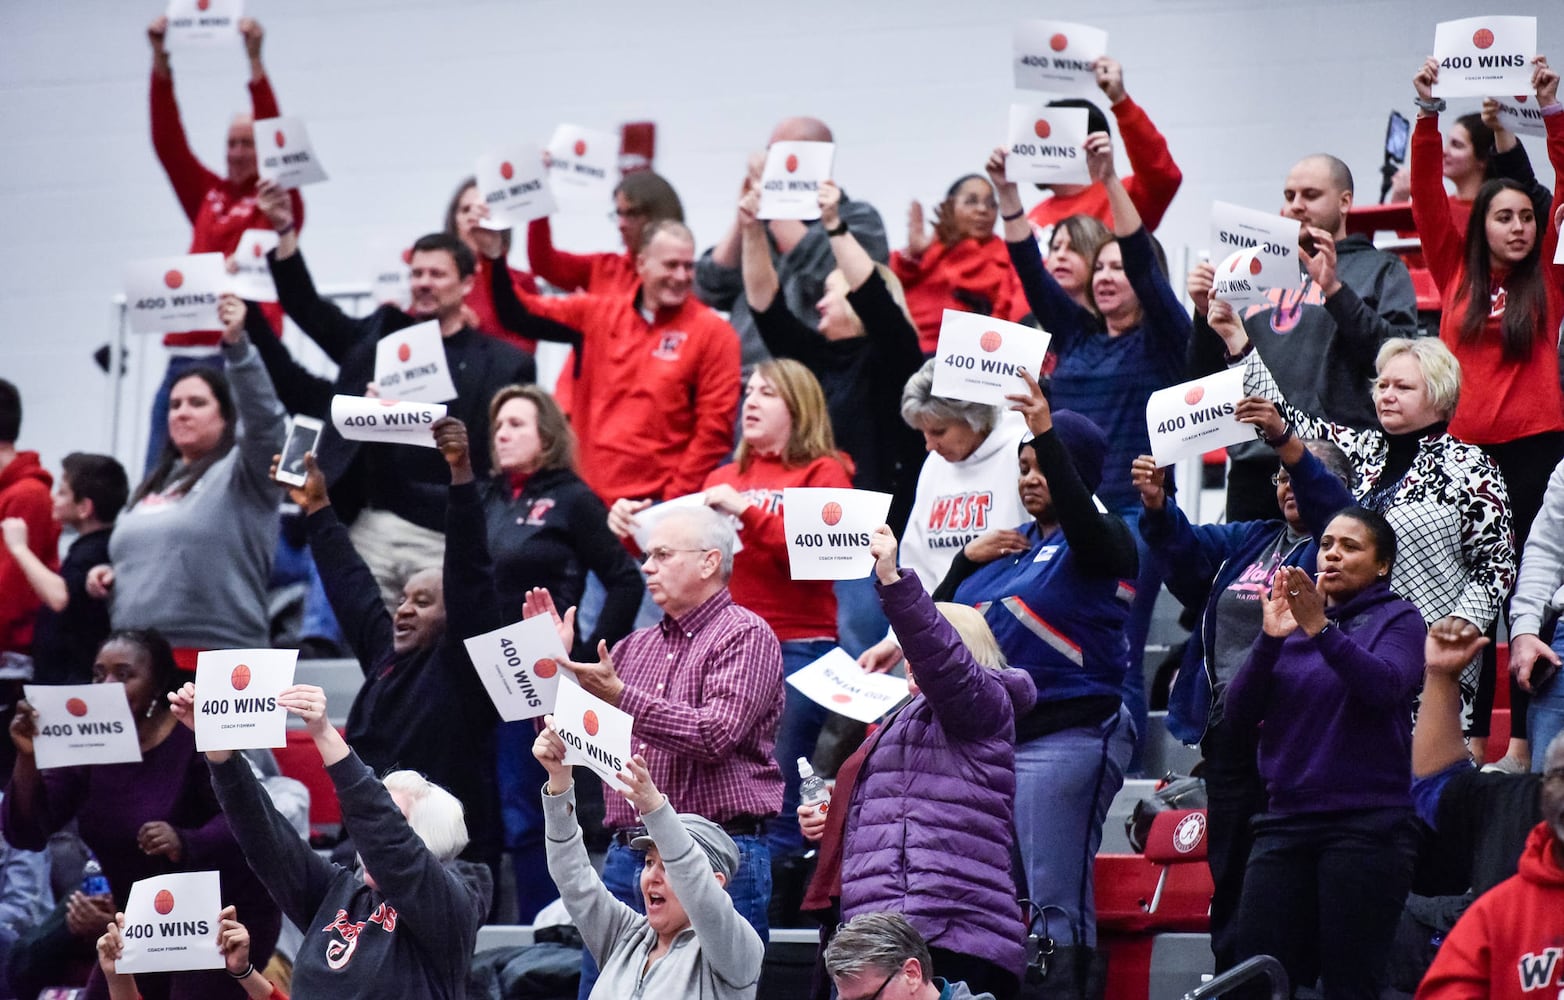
720, 849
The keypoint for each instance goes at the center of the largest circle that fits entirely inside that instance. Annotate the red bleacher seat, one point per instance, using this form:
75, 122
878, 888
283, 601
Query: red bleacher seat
301, 761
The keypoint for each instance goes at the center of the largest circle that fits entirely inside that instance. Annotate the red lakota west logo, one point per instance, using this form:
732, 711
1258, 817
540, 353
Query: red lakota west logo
1059, 42
1482, 38
831, 513
668, 345
1194, 395
581, 147
163, 902
173, 279
545, 668
403, 352
589, 723
507, 171
281, 139
1042, 128
240, 678
76, 707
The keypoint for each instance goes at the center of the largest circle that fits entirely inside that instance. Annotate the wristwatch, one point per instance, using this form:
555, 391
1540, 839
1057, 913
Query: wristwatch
840, 229
1433, 107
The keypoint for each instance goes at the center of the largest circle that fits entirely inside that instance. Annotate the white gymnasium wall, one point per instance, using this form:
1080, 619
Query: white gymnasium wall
402, 95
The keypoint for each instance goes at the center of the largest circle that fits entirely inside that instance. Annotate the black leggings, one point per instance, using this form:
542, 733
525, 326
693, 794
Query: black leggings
1526, 464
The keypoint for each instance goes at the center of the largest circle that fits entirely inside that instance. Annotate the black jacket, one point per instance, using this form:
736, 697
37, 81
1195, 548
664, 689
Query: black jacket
406, 480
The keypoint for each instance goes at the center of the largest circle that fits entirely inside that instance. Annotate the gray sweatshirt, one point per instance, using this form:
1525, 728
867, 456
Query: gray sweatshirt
195, 566
717, 957
1542, 563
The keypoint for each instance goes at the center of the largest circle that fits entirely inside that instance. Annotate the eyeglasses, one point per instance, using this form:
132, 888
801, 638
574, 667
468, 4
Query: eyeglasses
663, 553
1281, 479
616, 214
876, 994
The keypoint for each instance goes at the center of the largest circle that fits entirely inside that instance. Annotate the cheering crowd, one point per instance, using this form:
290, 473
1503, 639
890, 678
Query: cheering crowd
1404, 490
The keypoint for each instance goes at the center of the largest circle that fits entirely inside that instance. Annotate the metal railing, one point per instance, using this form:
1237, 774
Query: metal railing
1244, 972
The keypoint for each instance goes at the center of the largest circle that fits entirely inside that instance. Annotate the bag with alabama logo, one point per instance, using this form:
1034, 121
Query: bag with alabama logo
1174, 793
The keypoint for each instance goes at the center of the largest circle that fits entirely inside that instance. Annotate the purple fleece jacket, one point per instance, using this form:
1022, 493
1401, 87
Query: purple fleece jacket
929, 834
1335, 710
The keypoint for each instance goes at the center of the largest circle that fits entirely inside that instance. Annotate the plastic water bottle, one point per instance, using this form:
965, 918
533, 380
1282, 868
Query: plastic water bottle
93, 881
812, 789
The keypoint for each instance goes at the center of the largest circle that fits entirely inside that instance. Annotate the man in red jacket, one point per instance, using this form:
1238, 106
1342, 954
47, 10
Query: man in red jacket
220, 209
1510, 943
24, 494
1155, 181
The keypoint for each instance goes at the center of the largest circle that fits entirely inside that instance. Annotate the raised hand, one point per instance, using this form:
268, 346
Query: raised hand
1099, 156
538, 601
1032, 405
1150, 481
549, 749
450, 436
882, 545
312, 496
639, 789
918, 239
621, 516
1110, 78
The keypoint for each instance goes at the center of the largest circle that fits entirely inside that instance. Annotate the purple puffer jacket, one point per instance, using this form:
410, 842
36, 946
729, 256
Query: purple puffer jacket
929, 832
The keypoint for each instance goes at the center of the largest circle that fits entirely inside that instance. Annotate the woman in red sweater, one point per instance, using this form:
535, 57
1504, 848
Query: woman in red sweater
785, 440
1503, 301
962, 266
461, 218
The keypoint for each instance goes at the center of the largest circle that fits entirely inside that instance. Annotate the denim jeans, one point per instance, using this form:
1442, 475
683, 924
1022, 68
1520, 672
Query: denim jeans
860, 622
750, 889
519, 776
1545, 717
797, 734
1148, 585
1064, 784
157, 428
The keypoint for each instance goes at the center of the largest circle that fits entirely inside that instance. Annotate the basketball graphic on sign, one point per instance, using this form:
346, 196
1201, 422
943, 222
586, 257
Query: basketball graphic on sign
257, 251
203, 4
1194, 395
173, 279
1520, 98
831, 513
545, 668
792, 163
589, 722
581, 147
841, 698
507, 171
1255, 265
991, 341
403, 352
1482, 38
240, 678
1042, 128
163, 902
76, 707
281, 139
1059, 42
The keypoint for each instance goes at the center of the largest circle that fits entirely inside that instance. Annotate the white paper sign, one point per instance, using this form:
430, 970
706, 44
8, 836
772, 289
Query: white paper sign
1239, 280
387, 421
175, 294
390, 280
283, 153
583, 164
1479, 56
202, 23
828, 531
1521, 115
516, 665
171, 924
977, 357
410, 365
253, 279
837, 682
82, 724
648, 518
1234, 227
514, 185
236, 698
1056, 57
595, 733
1046, 145
790, 180
1190, 419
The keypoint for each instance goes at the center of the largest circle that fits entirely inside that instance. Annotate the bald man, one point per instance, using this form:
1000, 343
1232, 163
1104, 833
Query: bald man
220, 208
1320, 341
801, 251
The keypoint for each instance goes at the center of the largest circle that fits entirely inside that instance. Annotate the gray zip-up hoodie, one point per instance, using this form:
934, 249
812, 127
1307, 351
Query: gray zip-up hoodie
1542, 563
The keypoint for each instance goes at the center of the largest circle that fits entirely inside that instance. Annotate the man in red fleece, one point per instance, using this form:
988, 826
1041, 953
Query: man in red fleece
1510, 943
1155, 181
24, 493
220, 209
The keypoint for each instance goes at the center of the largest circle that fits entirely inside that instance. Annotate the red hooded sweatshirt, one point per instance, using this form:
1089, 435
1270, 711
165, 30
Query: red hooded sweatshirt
24, 493
1508, 945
